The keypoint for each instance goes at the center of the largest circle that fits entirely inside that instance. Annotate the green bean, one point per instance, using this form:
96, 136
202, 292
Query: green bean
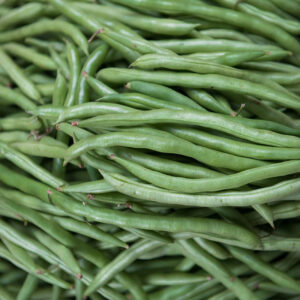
292, 8
190, 80
100, 88
63, 252
281, 211
90, 67
162, 92
17, 75
38, 59
78, 289
19, 15
230, 59
163, 165
20, 123
165, 143
154, 61
74, 64
138, 44
227, 145
212, 248
175, 278
16, 98
48, 111
21, 258
228, 16
166, 26
206, 100
264, 268
5, 295
129, 54
270, 66
60, 90
213, 266
100, 163
92, 24
226, 124
28, 287
44, 26
60, 250
60, 63
259, 196
31, 202
290, 26
263, 110
44, 45
126, 219
90, 231
46, 89
11, 277
120, 263
283, 78
86, 110
185, 185
91, 187
27, 164
136, 100
207, 46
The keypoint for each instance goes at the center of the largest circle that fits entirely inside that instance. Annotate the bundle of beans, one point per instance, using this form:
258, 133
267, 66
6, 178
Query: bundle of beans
150, 149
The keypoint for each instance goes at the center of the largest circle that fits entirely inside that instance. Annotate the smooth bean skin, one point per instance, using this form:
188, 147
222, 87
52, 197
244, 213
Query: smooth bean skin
60, 90
227, 16
16, 98
136, 44
178, 63
60, 63
235, 147
99, 87
166, 26
91, 231
206, 261
125, 219
91, 187
162, 92
28, 287
75, 66
120, 263
190, 80
19, 15
43, 26
17, 75
258, 196
136, 99
167, 166
185, 185
93, 25
20, 123
90, 67
41, 60
48, 111
209, 46
86, 110
278, 277
230, 59
206, 119
164, 143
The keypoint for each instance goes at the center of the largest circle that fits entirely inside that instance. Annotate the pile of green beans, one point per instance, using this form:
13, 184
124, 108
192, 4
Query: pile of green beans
149, 149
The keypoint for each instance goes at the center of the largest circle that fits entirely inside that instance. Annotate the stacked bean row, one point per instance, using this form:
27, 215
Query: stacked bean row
149, 149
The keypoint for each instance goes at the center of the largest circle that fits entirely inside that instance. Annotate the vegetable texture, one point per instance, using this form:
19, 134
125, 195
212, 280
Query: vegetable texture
149, 150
